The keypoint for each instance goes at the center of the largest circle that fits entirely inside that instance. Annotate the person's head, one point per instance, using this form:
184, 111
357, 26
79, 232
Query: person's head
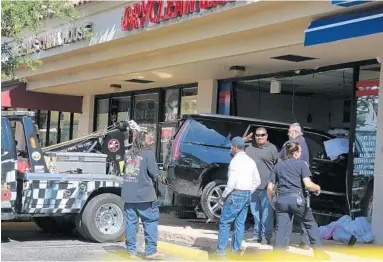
295, 130
261, 136
293, 149
142, 140
237, 145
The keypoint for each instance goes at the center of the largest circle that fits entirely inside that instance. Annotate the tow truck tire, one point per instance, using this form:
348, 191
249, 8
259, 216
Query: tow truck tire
55, 225
103, 218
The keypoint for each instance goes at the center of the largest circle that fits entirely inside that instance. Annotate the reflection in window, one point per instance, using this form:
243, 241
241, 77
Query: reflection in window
102, 113
189, 101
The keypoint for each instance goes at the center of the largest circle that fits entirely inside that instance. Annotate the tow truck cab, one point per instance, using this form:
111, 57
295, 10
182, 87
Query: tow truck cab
16, 163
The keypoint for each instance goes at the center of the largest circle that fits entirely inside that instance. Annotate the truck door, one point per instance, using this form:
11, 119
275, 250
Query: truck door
8, 168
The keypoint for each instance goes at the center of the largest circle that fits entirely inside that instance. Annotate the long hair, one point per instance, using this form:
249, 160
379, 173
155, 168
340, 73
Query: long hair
138, 145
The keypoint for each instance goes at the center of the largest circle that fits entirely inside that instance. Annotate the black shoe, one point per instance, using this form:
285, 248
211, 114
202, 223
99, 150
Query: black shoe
264, 241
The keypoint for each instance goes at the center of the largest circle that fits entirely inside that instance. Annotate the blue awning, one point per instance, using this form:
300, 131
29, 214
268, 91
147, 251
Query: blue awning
343, 27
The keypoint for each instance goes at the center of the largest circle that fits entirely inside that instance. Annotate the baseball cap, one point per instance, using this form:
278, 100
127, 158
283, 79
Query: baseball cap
238, 141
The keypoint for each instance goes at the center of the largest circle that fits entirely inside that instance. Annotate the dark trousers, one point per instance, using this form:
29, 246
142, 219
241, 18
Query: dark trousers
286, 209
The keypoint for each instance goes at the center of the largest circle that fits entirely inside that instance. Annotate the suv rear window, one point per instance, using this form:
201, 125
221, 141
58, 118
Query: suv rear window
214, 132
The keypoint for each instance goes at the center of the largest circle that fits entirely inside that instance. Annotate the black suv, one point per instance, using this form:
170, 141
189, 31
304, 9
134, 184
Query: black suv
200, 154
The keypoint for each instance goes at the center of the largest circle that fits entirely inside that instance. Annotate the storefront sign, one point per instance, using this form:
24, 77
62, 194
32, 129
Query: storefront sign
140, 14
58, 38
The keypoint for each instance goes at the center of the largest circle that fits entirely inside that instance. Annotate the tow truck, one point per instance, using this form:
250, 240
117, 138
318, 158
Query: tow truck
62, 202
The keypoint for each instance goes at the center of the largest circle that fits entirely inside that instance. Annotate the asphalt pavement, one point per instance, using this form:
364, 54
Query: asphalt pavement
24, 241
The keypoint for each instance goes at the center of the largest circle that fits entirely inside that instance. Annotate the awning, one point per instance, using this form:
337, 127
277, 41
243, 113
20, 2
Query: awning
16, 96
343, 27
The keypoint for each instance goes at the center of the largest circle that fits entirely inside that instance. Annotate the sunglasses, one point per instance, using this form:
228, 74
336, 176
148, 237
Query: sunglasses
260, 135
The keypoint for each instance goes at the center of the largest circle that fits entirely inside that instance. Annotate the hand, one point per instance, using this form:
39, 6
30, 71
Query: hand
249, 137
162, 178
316, 193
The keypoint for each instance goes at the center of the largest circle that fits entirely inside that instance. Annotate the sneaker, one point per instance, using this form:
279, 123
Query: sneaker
155, 256
129, 256
254, 239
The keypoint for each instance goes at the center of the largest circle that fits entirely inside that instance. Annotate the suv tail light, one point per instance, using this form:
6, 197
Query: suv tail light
23, 166
176, 143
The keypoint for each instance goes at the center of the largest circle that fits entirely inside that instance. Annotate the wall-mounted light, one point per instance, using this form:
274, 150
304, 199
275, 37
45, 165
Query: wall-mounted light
115, 86
238, 70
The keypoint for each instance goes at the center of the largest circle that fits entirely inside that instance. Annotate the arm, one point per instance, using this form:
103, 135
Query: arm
306, 174
271, 184
152, 165
232, 179
283, 152
270, 190
274, 155
256, 178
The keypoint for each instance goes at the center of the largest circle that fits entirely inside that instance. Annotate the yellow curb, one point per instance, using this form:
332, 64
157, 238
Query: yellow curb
366, 252
181, 251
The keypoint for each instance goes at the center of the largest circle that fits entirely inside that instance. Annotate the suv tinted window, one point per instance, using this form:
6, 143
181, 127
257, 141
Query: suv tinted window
316, 146
214, 132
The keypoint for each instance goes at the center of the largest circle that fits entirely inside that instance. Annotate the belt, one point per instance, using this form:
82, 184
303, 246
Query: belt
240, 190
291, 194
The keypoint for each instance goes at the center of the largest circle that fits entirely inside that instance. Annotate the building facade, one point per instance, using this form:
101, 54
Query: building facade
315, 62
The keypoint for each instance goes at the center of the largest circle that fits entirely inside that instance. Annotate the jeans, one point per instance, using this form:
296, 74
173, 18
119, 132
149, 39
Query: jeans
234, 209
149, 217
263, 215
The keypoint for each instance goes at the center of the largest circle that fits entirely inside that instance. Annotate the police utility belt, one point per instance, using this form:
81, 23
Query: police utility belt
299, 197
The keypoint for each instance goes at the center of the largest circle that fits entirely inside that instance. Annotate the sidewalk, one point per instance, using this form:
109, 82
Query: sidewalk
201, 236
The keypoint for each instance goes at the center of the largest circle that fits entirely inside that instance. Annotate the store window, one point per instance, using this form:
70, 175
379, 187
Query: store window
43, 125
53, 128
102, 113
171, 105
189, 100
120, 108
76, 118
64, 126
146, 113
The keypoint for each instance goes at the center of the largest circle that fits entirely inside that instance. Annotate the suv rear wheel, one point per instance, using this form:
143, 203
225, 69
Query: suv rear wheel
209, 199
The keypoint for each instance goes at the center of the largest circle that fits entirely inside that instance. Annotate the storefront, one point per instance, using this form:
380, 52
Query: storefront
132, 64
56, 116
157, 110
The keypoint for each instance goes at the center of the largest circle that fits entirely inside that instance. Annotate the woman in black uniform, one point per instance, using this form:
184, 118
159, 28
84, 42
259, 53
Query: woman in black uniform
293, 176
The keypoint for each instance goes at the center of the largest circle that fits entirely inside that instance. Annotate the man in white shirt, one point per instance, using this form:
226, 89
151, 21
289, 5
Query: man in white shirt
243, 179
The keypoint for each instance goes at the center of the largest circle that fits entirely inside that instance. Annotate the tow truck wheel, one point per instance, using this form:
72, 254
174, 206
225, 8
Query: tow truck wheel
55, 225
103, 218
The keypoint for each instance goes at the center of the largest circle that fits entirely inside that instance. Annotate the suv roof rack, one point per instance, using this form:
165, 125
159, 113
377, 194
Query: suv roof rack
18, 113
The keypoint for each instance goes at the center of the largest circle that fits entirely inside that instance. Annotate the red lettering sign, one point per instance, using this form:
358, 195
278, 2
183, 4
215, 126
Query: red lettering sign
136, 16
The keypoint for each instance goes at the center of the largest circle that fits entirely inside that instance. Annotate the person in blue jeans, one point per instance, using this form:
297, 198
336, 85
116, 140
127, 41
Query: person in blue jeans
265, 155
139, 194
243, 179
